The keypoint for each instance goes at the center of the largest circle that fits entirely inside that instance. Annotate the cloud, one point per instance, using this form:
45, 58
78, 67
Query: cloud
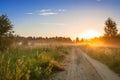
29, 13
45, 10
47, 13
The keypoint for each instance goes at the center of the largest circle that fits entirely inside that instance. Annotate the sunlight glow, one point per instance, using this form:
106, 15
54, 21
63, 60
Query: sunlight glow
89, 34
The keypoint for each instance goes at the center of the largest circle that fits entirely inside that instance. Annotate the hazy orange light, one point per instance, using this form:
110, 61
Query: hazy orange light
89, 34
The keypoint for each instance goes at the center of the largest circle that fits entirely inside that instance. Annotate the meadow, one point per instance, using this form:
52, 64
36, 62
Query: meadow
109, 56
31, 63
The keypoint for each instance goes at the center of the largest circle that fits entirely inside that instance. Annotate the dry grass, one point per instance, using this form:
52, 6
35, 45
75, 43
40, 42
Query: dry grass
31, 64
108, 56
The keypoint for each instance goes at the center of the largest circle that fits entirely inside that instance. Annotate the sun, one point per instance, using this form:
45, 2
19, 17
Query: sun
89, 34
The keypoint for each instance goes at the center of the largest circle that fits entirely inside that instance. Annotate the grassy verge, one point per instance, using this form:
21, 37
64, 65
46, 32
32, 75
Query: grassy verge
108, 56
31, 64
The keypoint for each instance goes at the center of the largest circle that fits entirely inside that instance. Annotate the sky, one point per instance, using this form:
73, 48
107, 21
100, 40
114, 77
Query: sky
50, 18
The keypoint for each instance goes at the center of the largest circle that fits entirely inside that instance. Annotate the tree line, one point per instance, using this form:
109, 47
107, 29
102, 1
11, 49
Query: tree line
26, 40
7, 37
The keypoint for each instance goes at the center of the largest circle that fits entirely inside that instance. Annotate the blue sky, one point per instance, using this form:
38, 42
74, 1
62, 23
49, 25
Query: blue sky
51, 18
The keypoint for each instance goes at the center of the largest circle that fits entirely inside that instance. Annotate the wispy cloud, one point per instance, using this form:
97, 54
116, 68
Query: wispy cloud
45, 10
50, 12
47, 13
29, 13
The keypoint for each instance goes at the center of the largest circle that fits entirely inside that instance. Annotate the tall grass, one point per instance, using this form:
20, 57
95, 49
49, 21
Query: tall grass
108, 56
31, 64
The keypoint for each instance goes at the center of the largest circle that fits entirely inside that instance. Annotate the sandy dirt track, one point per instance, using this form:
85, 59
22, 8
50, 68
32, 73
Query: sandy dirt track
79, 66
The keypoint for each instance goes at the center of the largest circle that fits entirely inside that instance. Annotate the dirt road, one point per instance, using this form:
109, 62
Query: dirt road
79, 66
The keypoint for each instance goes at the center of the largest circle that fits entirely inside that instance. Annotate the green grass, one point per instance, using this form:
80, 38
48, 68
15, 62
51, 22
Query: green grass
108, 56
31, 64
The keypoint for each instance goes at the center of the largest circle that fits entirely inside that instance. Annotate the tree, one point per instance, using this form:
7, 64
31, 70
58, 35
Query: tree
6, 32
77, 40
110, 28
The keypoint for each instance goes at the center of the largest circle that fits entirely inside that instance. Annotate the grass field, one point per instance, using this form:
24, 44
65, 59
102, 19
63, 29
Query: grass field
31, 64
108, 56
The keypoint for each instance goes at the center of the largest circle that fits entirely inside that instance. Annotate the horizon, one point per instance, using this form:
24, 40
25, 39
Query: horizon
64, 18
